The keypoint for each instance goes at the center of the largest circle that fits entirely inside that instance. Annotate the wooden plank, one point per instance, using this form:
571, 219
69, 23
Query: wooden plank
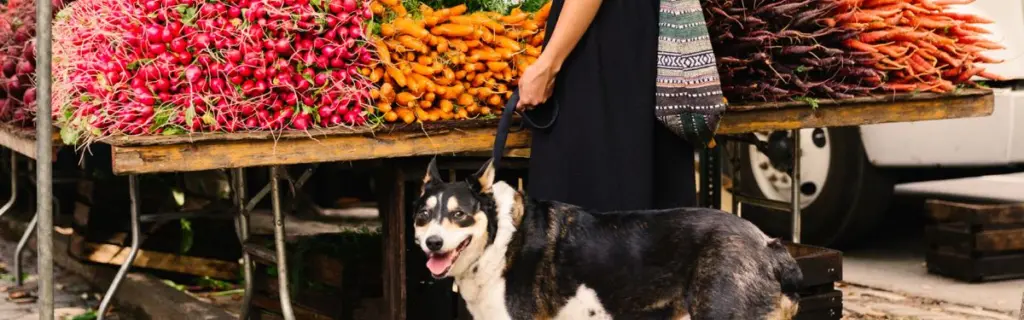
213, 151
975, 269
820, 266
859, 112
316, 133
975, 214
116, 255
1000, 240
23, 140
877, 98
234, 154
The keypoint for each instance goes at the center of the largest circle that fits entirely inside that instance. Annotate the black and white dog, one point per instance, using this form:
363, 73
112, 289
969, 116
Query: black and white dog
518, 258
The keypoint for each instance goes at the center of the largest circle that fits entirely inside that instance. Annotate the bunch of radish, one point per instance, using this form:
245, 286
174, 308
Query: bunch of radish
18, 61
184, 66
771, 50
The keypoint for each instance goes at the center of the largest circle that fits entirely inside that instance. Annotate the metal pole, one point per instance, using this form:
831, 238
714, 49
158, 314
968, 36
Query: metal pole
18, 280
133, 193
242, 225
14, 184
795, 194
44, 153
279, 244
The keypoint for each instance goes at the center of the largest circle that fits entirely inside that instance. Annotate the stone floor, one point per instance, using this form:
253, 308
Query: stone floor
867, 303
73, 295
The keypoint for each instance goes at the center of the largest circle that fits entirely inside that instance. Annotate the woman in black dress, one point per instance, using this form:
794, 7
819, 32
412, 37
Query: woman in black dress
606, 151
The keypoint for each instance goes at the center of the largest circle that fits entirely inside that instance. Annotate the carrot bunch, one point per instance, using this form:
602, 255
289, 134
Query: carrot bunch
918, 43
770, 50
449, 64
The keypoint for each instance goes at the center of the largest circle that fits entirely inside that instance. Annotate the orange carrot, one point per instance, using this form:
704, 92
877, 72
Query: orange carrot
413, 44
422, 69
541, 15
858, 45
516, 16
465, 99
446, 105
969, 18
406, 99
410, 27
382, 51
453, 30
397, 75
497, 66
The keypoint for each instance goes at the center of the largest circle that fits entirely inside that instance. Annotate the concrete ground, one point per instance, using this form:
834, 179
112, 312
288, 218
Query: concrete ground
893, 264
73, 294
894, 260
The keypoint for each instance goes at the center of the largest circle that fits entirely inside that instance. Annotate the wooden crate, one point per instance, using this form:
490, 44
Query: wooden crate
821, 268
976, 242
333, 276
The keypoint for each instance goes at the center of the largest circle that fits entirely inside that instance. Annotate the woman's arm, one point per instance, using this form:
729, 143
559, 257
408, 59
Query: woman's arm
575, 18
538, 80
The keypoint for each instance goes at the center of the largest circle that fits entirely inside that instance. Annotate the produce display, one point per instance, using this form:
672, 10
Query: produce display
772, 50
163, 67
18, 60
449, 64
176, 66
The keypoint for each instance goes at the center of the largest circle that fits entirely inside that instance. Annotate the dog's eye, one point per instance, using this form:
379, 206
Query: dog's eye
422, 215
458, 214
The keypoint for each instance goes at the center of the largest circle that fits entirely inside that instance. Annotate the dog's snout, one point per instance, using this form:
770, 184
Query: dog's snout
434, 243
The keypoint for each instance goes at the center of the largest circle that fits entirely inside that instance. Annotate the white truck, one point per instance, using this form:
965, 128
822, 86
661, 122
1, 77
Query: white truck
848, 174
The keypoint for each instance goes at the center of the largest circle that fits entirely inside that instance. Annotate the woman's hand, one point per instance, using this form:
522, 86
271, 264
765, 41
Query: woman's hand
536, 84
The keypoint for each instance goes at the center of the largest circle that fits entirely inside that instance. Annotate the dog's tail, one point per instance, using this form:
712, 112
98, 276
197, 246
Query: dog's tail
786, 269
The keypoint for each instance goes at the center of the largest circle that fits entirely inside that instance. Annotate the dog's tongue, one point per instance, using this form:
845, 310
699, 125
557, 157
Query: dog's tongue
439, 263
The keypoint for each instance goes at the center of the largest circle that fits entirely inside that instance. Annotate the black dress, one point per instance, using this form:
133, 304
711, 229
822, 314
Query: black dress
606, 151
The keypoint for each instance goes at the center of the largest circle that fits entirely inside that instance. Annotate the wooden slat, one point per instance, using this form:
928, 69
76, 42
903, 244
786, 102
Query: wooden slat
316, 133
23, 140
975, 214
116, 255
795, 116
233, 154
213, 151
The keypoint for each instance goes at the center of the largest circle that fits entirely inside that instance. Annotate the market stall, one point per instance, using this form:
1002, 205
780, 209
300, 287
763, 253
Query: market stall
275, 83
220, 151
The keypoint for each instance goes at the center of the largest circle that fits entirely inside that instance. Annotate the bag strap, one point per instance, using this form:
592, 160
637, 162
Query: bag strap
506, 122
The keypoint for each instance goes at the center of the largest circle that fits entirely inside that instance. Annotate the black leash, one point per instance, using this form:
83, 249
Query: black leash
504, 125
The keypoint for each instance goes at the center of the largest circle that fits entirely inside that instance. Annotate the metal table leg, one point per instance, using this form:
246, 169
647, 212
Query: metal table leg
279, 244
133, 192
711, 178
242, 226
18, 280
795, 192
14, 184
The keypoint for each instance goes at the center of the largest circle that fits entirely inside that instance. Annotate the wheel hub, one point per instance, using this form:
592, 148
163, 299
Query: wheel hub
771, 171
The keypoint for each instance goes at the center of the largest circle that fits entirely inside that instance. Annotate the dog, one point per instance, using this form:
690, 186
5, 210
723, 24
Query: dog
515, 257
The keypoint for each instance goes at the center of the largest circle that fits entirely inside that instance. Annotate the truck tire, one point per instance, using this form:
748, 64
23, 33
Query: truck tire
842, 194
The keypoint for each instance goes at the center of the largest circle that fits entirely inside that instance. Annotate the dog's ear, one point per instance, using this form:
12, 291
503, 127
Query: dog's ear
485, 177
433, 176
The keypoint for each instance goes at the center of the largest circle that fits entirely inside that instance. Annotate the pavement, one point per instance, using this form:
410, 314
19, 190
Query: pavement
73, 296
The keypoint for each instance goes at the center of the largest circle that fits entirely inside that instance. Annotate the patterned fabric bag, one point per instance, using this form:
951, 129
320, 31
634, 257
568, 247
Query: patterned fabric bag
689, 97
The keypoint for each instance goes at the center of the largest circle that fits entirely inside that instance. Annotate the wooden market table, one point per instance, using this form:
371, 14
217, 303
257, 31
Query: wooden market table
142, 155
